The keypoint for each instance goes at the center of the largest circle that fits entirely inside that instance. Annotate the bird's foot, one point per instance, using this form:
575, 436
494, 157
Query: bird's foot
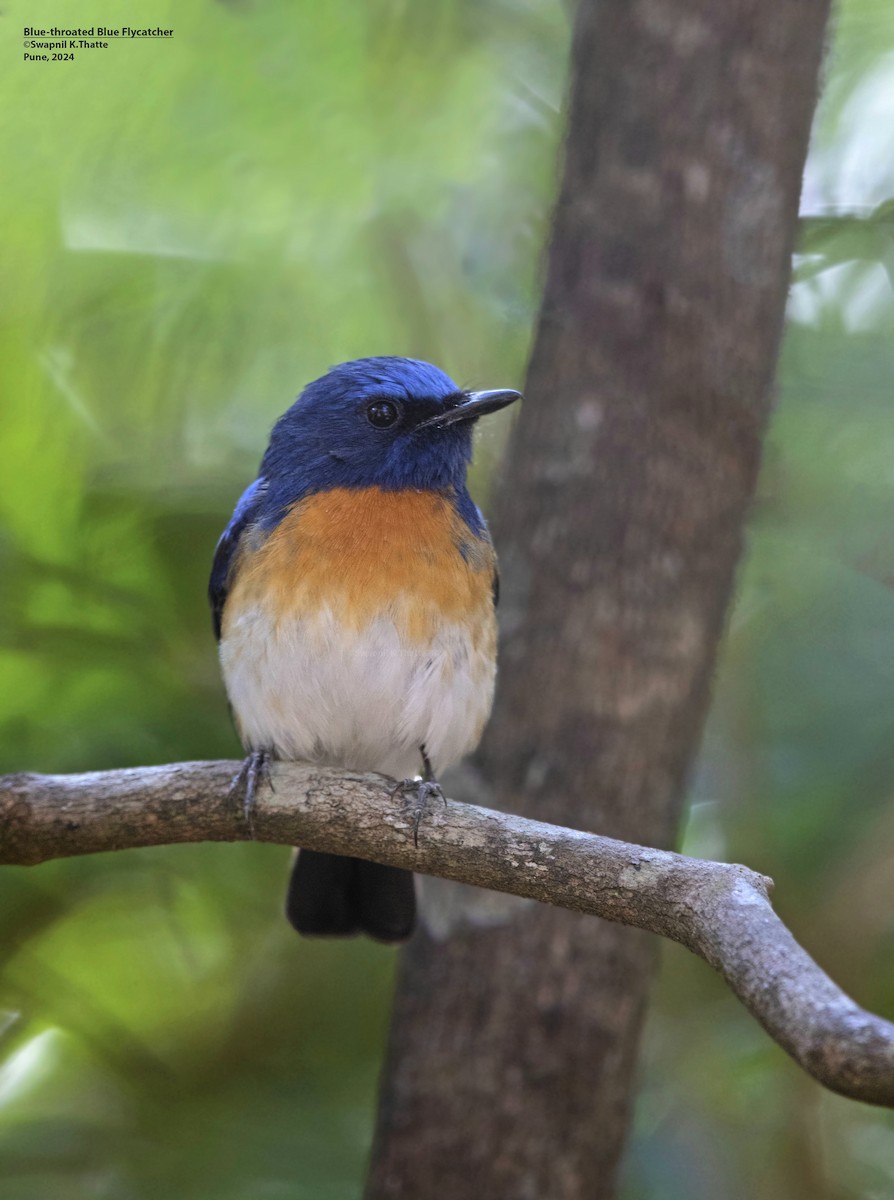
255, 770
418, 791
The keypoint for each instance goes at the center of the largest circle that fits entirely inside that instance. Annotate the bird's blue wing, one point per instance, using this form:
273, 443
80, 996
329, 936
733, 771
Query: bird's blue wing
474, 518
244, 514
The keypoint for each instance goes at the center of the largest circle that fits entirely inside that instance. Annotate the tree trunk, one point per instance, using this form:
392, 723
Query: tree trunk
619, 524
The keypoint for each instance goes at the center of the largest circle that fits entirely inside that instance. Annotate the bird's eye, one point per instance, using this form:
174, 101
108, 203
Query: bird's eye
382, 413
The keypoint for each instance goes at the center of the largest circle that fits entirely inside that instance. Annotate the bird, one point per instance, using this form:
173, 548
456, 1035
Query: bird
353, 595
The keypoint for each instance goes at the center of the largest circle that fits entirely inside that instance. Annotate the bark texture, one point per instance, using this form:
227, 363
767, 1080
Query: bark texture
719, 911
619, 525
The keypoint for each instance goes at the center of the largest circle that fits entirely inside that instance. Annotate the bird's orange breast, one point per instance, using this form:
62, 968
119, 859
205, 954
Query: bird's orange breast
367, 554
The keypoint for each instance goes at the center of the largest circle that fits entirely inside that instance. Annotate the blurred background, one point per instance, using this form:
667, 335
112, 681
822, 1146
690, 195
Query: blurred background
190, 231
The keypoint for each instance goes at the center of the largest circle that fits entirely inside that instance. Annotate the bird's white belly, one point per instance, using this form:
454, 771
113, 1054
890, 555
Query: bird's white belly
309, 688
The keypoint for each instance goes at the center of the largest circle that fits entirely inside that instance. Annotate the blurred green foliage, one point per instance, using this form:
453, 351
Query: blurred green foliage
191, 230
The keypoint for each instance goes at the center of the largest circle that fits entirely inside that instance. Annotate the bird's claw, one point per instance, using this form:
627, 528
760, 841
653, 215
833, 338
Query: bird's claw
419, 791
255, 770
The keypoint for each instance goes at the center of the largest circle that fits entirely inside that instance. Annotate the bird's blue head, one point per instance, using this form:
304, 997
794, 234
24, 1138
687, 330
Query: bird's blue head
392, 423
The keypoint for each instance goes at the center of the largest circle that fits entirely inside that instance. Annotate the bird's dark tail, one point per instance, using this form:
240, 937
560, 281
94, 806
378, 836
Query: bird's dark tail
333, 896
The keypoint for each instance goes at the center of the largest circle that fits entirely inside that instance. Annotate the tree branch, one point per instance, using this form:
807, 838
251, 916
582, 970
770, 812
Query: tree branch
719, 911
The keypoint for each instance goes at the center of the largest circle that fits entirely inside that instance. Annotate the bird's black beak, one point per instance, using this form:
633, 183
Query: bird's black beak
476, 404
